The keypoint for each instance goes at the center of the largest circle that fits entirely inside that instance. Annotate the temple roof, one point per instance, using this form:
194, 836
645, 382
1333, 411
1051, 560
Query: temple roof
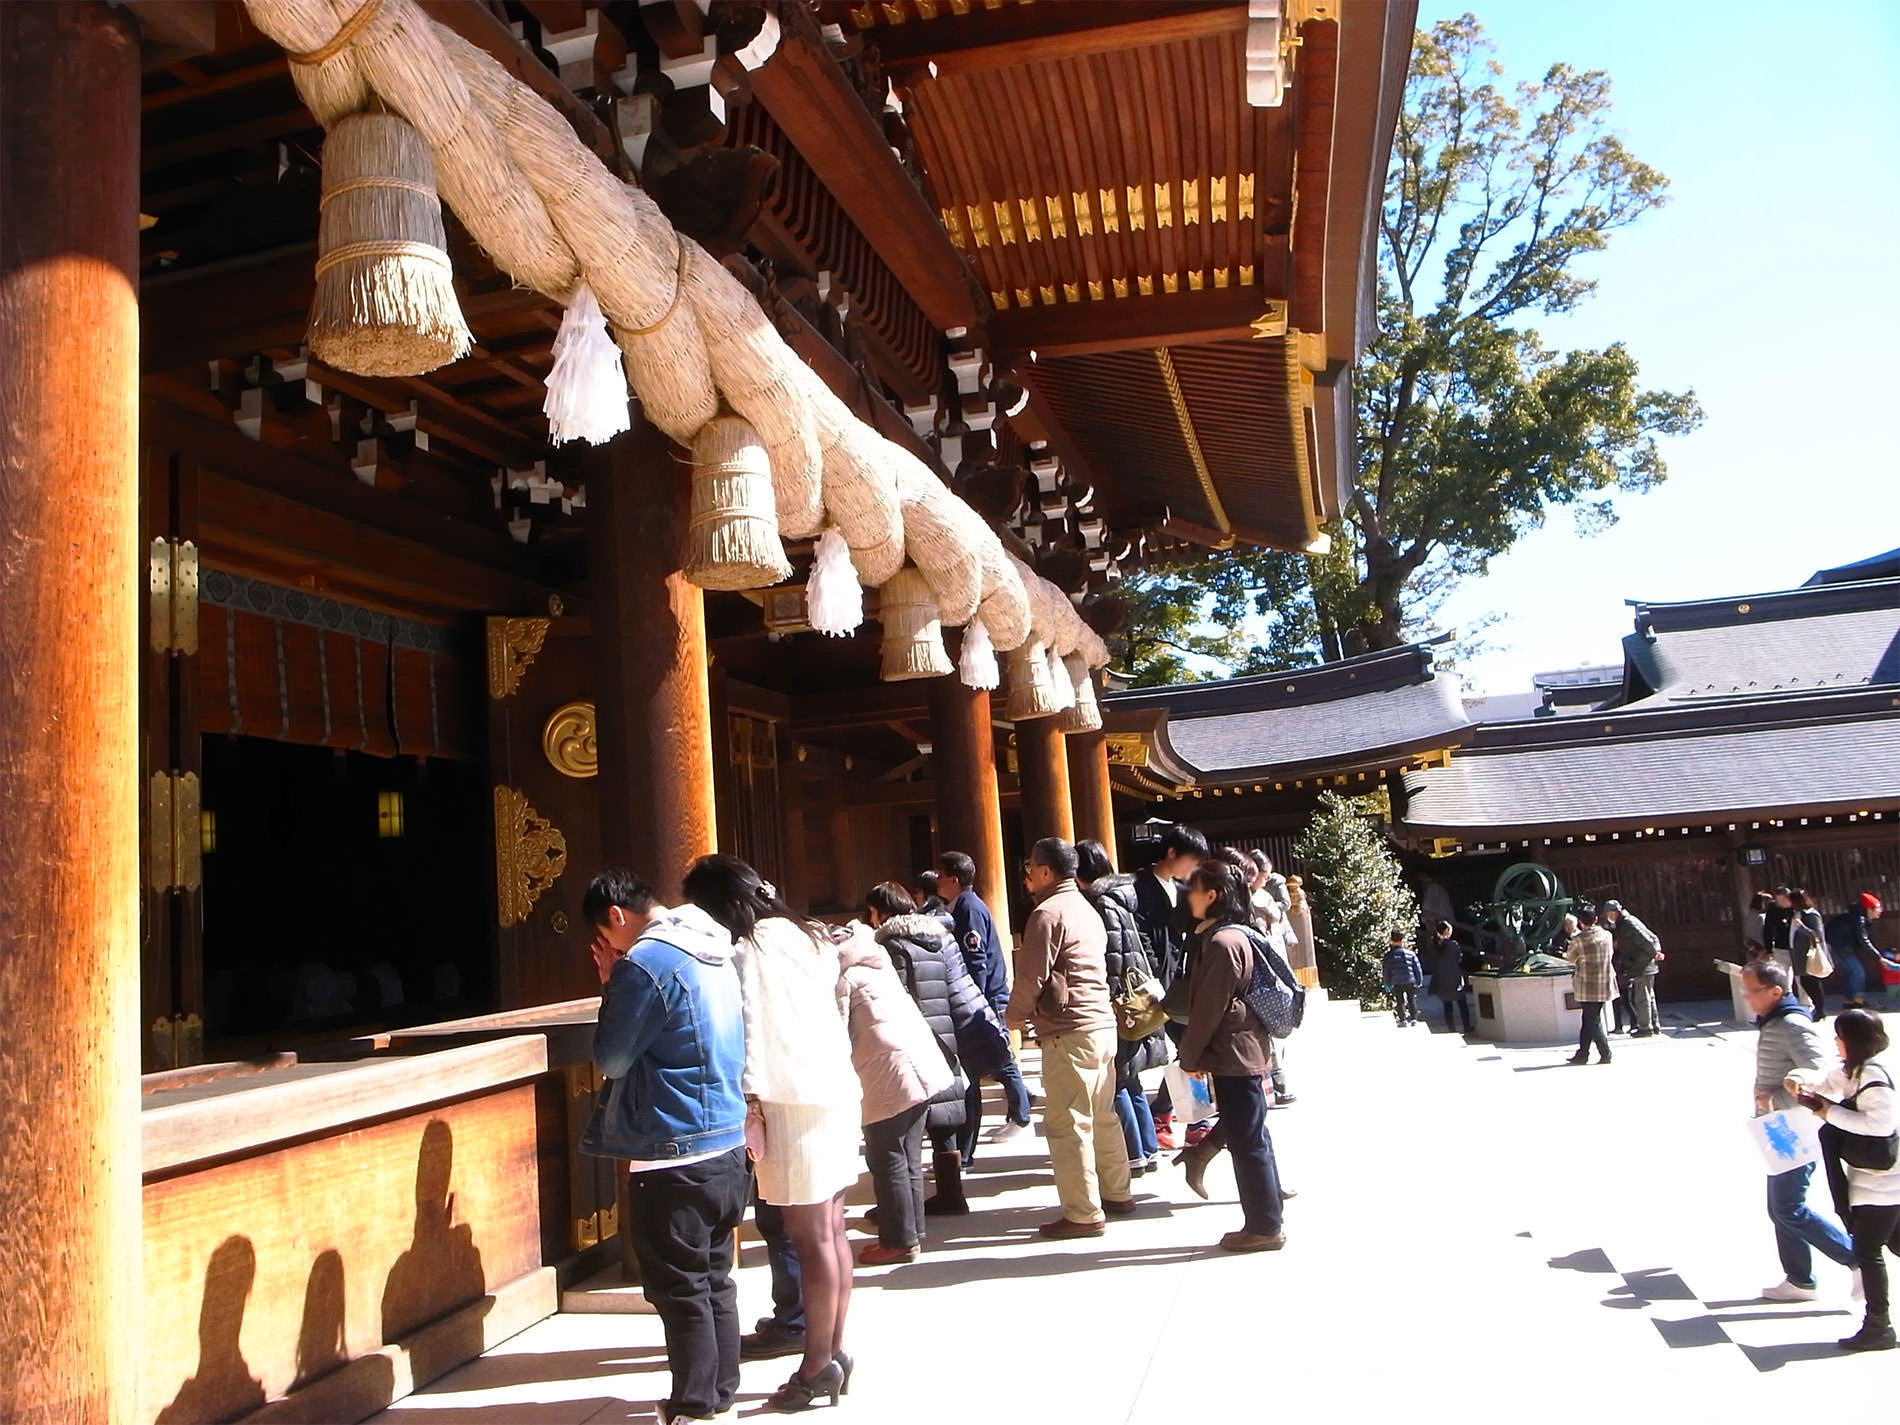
1377, 707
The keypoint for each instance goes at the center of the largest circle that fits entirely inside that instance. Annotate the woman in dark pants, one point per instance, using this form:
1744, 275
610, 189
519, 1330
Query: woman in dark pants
1226, 1041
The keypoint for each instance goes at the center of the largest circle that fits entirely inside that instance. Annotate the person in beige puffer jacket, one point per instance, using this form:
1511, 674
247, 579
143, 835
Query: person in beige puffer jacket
901, 1067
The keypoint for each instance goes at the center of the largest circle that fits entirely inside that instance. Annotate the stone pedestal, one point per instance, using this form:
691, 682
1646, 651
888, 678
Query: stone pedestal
1537, 1008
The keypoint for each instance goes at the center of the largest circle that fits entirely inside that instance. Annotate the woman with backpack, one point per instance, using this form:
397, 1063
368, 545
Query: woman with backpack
1861, 1120
1225, 1040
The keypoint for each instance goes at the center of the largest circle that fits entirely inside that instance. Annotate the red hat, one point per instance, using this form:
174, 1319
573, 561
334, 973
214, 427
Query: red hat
1870, 902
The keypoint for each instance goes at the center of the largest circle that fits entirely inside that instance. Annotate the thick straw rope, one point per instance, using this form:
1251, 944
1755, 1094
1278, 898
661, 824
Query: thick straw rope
550, 215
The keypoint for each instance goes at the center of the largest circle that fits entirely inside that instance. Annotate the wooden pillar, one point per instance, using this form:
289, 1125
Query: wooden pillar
1042, 762
653, 711
69, 861
1093, 792
969, 803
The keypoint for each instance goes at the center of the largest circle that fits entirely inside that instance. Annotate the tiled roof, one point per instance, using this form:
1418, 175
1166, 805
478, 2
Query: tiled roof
1651, 767
1833, 637
1337, 714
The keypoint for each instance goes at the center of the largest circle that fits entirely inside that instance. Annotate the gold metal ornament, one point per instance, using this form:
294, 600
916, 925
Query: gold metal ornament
530, 855
512, 645
569, 740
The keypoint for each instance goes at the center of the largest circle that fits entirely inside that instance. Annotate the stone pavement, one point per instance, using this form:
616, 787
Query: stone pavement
1481, 1232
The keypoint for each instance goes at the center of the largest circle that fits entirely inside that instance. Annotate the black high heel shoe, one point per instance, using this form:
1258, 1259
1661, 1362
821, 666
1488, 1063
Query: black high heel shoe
844, 1363
800, 1392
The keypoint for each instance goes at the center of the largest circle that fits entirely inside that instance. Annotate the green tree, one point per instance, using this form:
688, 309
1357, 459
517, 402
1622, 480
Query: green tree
1185, 618
1470, 428
1357, 895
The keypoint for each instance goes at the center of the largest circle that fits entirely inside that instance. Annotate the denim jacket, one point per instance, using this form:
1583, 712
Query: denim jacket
671, 1040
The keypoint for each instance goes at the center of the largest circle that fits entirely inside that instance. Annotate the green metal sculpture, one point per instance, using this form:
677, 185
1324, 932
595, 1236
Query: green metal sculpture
1525, 915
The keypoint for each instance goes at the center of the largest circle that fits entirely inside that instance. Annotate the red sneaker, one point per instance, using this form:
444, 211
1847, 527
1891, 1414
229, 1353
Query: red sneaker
1164, 1131
1197, 1131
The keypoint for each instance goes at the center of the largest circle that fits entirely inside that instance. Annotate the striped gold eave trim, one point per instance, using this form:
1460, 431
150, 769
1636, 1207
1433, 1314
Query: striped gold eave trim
1165, 360
1299, 400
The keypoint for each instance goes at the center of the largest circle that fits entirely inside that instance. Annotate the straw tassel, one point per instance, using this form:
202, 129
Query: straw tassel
1086, 714
976, 663
1030, 694
587, 390
834, 600
913, 633
385, 300
732, 540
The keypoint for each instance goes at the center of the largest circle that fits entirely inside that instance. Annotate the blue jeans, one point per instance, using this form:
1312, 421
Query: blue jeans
788, 1291
1137, 1119
1798, 1227
1015, 1104
1242, 1102
1853, 975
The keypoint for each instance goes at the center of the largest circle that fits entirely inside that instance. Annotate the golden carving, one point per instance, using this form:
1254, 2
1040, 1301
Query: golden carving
172, 588
1192, 441
1111, 220
1032, 224
1024, 298
1084, 219
1048, 295
568, 741
979, 225
1191, 200
1058, 221
512, 644
1197, 280
1071, 291
1000, 301
1137, 219
1271, 322
1005, 221
1217, 200
1096, 290
1126, 749
1164, 205
1246, 196
530, 855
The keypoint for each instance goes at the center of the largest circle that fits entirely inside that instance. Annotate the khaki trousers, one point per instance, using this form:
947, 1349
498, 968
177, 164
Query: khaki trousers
1078, 1114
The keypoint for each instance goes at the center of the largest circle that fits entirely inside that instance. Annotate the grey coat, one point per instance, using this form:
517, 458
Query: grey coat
1636, 946
1788, 1040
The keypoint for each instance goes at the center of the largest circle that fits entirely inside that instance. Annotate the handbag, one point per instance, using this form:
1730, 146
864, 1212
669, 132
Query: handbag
1862, 1150
1138, 1008
1817, 964
1277, 999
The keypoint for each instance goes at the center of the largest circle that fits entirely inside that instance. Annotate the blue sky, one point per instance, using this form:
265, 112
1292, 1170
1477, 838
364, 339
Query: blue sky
1770, 283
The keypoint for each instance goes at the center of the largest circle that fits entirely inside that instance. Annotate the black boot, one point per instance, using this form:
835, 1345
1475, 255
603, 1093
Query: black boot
1875, 1334
948, 1199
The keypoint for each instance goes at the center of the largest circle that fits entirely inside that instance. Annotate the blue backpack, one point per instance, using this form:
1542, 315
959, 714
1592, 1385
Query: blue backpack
1277, 999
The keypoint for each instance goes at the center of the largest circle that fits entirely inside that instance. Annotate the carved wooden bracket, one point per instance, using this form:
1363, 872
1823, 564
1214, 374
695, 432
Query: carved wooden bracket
530, 855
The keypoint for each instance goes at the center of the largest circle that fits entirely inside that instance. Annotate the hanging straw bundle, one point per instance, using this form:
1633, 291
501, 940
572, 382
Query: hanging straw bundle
861, 499
1031, 693
763, 381
1086, 714
1005, 607
732, 539
913, 634
385, 302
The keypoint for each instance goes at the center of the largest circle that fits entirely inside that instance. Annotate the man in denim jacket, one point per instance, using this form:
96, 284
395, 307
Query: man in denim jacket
671, 1037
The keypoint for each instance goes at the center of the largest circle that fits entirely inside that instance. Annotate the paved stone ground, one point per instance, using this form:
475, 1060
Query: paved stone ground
1480, 1232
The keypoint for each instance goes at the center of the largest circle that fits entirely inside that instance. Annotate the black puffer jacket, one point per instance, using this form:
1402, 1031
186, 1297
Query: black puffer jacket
1114, 900
932, 968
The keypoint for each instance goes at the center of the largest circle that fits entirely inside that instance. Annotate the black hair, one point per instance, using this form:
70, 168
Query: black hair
1262, 860
1769, 974
732, 893
1238, 859
1862, 1035
1182, 840
1397, 937
888, 898
927, 882
1444, 927
1092, 862
1763, 901
958, 866
616, 886
1585, 916
1802, 900
1055, 853
1231, 903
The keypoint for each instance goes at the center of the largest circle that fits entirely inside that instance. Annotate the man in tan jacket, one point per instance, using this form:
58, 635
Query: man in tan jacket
1061, 989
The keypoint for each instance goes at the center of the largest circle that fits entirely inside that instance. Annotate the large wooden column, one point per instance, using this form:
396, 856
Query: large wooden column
69, 625
969, 804
1092, 792
653, 712
1042, 763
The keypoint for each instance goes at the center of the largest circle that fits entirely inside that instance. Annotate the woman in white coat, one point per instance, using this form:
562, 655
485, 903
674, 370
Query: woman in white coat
802, 1099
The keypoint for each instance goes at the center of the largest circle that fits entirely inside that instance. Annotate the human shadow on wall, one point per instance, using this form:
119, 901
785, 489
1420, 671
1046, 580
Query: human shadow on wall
222, 1387
322, 1341
441, 1270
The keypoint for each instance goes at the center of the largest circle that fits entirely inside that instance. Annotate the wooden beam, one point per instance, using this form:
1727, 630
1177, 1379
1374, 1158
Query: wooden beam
1032, 34
1130, 323
808, 94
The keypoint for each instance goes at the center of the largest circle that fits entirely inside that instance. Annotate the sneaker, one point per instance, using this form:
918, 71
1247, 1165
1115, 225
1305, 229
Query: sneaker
1164, 1131
1006, 1132
1788, 1291
1063, 1229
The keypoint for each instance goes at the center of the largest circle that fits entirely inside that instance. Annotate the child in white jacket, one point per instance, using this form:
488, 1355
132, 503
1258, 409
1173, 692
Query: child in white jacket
1859, 1099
